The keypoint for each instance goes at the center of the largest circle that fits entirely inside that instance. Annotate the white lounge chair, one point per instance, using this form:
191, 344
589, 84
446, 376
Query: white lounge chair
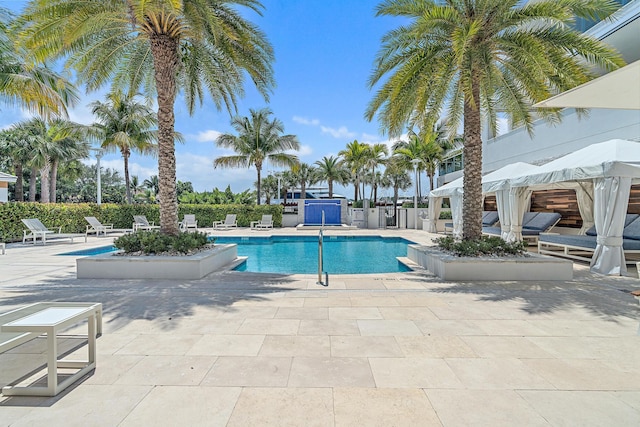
38, 230
229, 222
189, 221
140, 222
265, 223
96, 226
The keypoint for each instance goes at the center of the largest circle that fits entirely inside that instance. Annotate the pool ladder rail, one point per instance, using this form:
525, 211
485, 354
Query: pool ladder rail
321, 257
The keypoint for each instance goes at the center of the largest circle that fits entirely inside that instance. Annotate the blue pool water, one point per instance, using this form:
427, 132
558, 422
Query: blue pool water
92, 251
299, 254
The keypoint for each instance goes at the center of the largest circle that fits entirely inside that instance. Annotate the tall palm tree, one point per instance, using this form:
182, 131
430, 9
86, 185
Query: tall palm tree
397, 175
304, 174
424, 147
164, 46
126, 125
473, 57
376, 156
269, 187
354, 158
70, 146
259, 139
331, 170
15, 146
34, 87
153, 184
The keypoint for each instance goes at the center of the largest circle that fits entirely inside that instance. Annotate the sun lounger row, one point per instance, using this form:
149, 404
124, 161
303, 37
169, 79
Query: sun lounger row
37, 230
582, 247
489, 218
533, 223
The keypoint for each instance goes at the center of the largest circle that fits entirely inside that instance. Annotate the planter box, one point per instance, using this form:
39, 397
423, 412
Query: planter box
196, 266
449, 267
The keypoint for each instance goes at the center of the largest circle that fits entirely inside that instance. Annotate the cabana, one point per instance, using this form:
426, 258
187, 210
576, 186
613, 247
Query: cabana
602, 175
495, 182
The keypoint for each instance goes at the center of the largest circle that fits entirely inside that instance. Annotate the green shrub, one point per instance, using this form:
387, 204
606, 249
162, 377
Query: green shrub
153, 242
446, 215
485, 245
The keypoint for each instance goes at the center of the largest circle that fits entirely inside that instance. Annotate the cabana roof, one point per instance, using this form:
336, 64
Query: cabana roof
5, 177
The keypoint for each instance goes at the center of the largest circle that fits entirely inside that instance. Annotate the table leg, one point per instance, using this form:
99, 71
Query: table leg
52, 362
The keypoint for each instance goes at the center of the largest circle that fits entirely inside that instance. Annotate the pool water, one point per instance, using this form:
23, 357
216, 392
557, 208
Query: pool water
299, 254
92, 251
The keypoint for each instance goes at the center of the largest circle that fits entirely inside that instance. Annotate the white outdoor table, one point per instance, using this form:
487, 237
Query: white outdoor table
51, 321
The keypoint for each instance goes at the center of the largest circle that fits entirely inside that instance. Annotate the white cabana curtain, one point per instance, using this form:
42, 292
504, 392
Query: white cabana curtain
504, 212
435, 205
584, 195
456, 213
611, 198
519, 201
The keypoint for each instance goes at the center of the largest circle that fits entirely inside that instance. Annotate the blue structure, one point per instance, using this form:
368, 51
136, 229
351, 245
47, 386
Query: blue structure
313, 211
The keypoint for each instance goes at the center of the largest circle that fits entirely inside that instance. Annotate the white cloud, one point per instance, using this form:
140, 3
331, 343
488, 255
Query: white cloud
305, 121
143, 172
341, 132
207, 136
374, 139
305, 150
369, 137
199, 171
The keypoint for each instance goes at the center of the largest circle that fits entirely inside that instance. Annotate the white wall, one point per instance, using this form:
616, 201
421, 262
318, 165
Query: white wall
4, 195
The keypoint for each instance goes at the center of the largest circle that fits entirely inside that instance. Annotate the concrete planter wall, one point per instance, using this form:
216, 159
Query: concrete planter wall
196, 266
449, 267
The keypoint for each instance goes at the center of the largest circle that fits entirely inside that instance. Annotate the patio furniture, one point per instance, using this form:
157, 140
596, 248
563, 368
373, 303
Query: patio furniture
189, 221
38, 230
96, 226
533, 223
3, 247
263, 224
26, 323
140, 222
489, 218
582, 247
228, 223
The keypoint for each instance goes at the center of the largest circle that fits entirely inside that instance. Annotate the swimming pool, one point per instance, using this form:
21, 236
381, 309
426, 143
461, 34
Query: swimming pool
299, 254
92, 251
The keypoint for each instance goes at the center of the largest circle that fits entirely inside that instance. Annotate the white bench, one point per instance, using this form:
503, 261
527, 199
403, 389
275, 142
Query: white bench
50, 318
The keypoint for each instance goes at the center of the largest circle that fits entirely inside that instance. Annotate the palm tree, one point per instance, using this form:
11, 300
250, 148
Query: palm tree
304, 174
259, 139
126, 125
477, 56
135, 185
34, 87
397, 175
153, 184
376, 155
15, 146
354, 158
164, 46
70, 147
269, 187
330, 170
424, 147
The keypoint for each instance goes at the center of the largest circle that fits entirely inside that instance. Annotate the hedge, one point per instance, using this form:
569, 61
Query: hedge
70, 216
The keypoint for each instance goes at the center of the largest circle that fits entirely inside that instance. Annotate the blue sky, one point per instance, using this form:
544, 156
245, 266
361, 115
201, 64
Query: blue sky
324, 55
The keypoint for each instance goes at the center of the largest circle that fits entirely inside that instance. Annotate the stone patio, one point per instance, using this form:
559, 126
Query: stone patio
242, 349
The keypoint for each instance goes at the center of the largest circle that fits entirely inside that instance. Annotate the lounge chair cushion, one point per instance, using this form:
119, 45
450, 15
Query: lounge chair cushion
542, 222
628, 220
489, 218
588, 242
632, 231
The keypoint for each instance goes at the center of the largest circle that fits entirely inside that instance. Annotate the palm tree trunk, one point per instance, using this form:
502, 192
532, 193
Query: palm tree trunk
19, 192
303, 189
125, 156
330, 189
53, 182
32, 184
472, 152
45, 175
165, 58
431, 181
259, 171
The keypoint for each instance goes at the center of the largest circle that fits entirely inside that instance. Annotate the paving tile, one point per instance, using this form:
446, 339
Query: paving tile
109, 368
184, 406
329, 327
504, 346
388, 328
518, 328
357, 346
94, 405
261, 371
159, 344
353, 313
582, 408
449, 327
496, 408
302, 313
383, 407
369, 301
287, 346
283, 407
502, 374
330, 372
328, 302
241, 312
168, 370
436, 346
407, 313
631, 398
413, 373
227, 345
582, 374
269, 327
